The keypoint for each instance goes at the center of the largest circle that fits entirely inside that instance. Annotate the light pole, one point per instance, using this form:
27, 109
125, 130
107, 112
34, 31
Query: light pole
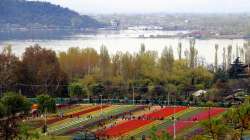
133, 95
101, 104
45, 121
168, 98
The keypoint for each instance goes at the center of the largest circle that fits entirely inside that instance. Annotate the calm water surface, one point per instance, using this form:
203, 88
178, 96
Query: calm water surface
124, 41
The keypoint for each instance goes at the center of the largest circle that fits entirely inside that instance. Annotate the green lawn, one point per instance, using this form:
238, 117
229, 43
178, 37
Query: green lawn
55, 138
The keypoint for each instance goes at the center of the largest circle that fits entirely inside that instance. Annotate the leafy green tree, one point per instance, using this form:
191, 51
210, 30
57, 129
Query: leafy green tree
215, 128
77, 90
104, 63
46, 104
2, 110
243, 113
97, 89
238, 119
12, 107
167, 59
26, 133
15, 103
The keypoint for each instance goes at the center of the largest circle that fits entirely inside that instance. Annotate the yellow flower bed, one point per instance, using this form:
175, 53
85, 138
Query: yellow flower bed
93, 113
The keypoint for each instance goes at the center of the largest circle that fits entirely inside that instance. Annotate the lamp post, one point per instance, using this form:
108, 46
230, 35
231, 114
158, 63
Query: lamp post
45, 121
133, 95
101, 104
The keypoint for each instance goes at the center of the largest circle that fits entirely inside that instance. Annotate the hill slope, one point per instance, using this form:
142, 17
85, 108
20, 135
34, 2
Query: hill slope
21, 13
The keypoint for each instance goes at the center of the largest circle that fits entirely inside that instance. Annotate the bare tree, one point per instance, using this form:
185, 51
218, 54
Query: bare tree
179, 50
216, 57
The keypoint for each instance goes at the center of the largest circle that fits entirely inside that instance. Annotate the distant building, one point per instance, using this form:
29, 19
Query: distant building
239, 70
115, 24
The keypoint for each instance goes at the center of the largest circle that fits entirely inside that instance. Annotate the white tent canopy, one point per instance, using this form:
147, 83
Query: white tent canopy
199, 93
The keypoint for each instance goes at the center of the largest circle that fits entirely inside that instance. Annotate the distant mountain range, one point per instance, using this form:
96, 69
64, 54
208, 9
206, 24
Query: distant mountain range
40, 15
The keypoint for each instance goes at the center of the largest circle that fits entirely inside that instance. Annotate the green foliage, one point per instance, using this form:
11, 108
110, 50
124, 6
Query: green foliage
12, 107
15, 103
2, 110
25, 133
97, 89
215, 128
159, 136
167, 59
77, 90
233, 123
46, 103
200, 137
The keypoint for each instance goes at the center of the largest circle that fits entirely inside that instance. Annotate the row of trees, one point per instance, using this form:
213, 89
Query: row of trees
37, 67
90, 73
144, 71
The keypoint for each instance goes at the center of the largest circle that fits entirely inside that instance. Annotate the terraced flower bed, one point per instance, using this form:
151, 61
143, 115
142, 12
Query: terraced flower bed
108, 117
76, 114
204, 115
109, 120
162, 125
76, 121
131, 125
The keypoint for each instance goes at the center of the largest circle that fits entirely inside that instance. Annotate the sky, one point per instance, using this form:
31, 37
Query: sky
155, 6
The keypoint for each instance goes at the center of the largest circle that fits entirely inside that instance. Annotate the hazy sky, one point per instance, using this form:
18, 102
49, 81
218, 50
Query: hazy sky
155, 6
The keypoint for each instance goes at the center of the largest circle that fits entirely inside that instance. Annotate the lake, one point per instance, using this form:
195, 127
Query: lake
124, 41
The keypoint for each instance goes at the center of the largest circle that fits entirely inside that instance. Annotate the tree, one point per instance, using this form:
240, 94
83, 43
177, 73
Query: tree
215, 128
13, 108
172, 92
15, 104
247, 52
128, 67
229, 55
145, 65
238, 118
216, 57
25, 133
78, 62
193, 54
224, 61
104, 63
40, 67
97, 89
167, 59
243, 113
9, 70
116, 64
77, 90
179, 50
46, 104
2, 110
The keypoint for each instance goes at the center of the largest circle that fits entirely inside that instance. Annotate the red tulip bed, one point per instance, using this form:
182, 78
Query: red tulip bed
131, 125
115, 114
51, 121
204, 115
